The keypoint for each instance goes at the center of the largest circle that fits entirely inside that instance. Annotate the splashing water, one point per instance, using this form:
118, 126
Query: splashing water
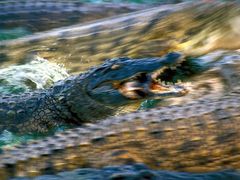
37, 74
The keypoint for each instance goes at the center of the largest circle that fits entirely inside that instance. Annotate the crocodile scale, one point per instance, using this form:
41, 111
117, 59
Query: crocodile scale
185, 27
201, 136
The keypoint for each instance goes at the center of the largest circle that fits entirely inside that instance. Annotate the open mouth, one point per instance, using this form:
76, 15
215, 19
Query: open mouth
147, 85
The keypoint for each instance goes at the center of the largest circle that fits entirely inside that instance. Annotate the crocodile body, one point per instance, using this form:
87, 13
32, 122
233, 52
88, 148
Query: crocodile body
37, 16
198, 137
102, 91
187, 27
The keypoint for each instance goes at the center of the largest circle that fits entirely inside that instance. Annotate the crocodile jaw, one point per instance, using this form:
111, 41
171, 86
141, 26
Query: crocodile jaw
159, 90
151, 88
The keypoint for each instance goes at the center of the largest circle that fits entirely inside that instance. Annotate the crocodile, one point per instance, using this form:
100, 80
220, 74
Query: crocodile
194, 28
42, 15
197, 137
102, 91
201, 136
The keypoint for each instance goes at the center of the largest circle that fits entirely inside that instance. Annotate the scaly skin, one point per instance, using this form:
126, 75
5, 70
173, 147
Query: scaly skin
198, 137
188, 27
102, 91
44, 15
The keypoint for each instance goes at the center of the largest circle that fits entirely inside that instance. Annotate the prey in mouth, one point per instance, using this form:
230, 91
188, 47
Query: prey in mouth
147, 85
122, 81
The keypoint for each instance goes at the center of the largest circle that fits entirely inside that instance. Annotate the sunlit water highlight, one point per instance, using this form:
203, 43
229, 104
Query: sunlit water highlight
36, 74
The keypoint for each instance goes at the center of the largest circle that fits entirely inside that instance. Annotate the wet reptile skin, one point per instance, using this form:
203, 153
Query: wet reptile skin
42, 15
198, 137
86, 97
187, 27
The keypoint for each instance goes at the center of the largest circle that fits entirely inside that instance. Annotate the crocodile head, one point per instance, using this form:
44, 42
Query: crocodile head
121, 81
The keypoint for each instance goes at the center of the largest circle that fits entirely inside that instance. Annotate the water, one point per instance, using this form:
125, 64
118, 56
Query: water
37, 73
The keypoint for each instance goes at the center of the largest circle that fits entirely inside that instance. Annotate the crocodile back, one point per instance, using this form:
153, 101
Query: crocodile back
198, 137
146, 33
44, 15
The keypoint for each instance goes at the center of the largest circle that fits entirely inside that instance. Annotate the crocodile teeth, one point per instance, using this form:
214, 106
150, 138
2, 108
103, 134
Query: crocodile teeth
158, 72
